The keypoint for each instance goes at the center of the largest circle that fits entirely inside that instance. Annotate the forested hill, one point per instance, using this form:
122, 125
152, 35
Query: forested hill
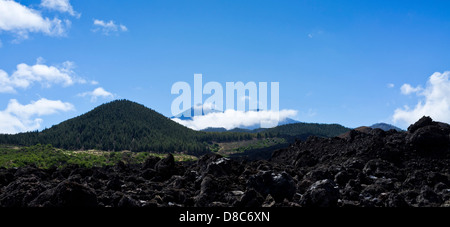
296, 130
304, 130
121, 125
124, 125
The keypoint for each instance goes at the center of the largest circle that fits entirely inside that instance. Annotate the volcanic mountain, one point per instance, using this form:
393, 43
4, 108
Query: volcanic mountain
116, 126
386, 127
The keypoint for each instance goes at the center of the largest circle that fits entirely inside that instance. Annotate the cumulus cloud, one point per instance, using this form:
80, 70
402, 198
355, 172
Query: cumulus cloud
434, 100
97, 93
21, 20
26, 75
234, 119
63, 6
407, 89
21, 118
108, 27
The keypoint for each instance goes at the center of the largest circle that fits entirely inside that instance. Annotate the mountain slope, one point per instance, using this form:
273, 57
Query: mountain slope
115, 126
294, 130
304, 130
386, 127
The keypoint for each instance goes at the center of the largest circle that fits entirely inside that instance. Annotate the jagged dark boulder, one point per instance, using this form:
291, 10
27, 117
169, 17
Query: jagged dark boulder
279, 185
5, 177
422, 122
150, 162
127, 202
380, 168
395, 200
323, 193
219, 167
67, 194
344, 176
165, 168
209, 189
428, 197
251, 198
429, 138
20, 192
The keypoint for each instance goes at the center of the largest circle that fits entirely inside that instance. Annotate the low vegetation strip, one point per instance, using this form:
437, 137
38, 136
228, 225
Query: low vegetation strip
46, 156
229, 148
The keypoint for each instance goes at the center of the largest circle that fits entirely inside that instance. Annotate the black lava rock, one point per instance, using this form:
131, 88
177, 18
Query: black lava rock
323, 193
280, 185
67, 194
363, 168
166, 167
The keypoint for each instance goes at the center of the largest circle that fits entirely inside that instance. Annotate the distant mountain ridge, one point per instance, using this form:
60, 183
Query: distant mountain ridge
304, 130
295, 130
251, 129
386, 127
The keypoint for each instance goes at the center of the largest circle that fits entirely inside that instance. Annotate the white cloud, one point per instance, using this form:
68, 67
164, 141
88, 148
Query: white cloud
63, 6
5, 83
26, 75
407, 89
97, 93
21, 20
21, 118
390, 85
108, 27
434, 101
234, 119
123, 28
207, 107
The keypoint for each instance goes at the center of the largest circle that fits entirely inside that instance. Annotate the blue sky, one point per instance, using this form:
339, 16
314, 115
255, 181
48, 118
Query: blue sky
343, 62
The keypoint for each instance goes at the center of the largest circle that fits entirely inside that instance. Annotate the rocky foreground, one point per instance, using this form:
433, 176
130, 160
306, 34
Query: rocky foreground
363, 168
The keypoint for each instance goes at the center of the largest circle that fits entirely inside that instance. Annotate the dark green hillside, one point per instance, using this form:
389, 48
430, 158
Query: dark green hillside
122, 125
304, 130
115, 126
